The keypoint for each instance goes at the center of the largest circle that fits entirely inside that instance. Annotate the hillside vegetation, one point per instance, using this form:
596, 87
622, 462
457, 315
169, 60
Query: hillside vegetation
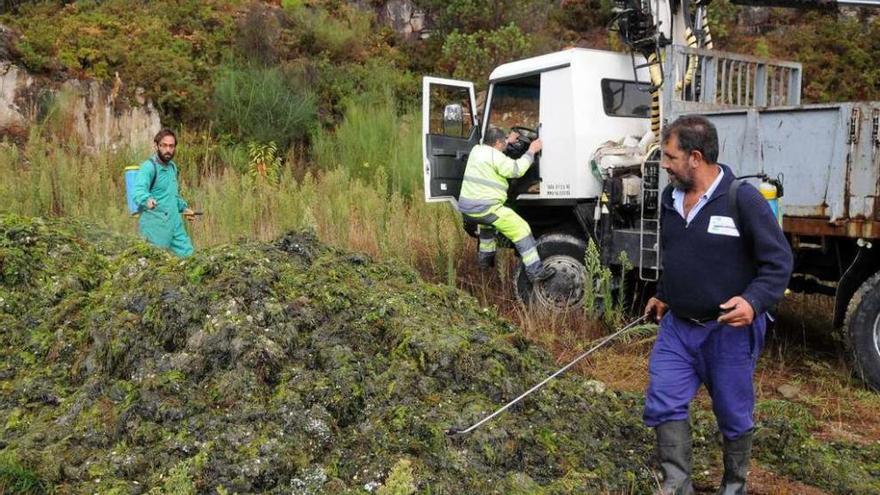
281, 362
186, 54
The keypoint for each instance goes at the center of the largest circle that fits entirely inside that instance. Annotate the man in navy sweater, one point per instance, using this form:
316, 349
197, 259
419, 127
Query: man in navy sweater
722, 271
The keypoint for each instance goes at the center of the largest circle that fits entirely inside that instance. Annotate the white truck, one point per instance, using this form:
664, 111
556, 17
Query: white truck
599, 114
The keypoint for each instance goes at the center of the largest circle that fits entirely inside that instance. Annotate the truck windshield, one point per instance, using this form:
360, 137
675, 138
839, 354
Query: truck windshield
516, 103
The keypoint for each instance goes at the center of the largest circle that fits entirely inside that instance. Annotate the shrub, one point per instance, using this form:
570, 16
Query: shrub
168, 48
335, 84
259, 33
472, 56
339, 33
258, 104
470, 16
581, 15
373, 138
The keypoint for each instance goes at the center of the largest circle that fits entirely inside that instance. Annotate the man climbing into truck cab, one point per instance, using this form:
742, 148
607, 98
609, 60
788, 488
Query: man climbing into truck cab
482, 198
725, 263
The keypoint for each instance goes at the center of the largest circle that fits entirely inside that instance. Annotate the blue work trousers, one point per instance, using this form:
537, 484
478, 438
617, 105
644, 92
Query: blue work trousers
687, 354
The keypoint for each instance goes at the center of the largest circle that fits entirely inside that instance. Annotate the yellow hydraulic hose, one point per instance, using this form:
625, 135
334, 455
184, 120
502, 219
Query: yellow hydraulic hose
656, 80
692, 60
707, 35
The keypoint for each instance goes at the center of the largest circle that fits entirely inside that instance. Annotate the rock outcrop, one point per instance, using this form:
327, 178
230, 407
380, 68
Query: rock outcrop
101, 115
404, 17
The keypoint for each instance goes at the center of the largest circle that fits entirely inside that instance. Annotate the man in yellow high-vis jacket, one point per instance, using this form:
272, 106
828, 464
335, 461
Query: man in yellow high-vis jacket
482, 198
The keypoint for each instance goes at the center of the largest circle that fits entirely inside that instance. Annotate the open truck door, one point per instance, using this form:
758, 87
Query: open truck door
449, 131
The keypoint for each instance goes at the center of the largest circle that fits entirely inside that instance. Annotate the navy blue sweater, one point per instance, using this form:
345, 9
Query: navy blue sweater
702, 270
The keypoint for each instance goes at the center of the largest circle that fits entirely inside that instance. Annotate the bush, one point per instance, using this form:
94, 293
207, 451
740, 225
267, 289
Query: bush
471, 16
335, 84
259, 33
840, 57
259, 104
373, 140
472, 56
582, 15
342, 33
168, 48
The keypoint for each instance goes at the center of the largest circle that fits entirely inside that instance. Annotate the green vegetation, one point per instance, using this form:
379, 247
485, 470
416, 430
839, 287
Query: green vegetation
372, 142
262, 105
189, 54
15, 479
840, 52
167, 48
318, 370
473, 55
261, 367
605, 291
260, 201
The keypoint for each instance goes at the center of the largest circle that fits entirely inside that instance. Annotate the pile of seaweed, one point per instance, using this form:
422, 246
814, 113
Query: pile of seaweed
291, 367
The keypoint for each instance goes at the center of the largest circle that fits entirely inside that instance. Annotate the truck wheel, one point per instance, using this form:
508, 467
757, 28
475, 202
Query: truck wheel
565, 290
863, 331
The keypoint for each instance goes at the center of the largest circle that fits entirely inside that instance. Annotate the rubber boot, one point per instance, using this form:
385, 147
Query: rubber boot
736, 465
674, 451
545, 273
485, 261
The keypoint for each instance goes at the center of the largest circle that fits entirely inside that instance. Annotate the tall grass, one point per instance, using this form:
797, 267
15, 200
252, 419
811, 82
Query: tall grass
264, 105
372, 137
368, 215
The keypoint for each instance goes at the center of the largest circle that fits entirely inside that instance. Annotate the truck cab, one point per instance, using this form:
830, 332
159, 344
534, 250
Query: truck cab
575, 100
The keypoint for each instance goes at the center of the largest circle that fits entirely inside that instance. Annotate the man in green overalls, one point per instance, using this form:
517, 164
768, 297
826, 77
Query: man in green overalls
159, 201
482, 198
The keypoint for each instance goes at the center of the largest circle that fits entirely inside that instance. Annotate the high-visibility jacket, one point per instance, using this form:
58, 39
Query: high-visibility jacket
485, 179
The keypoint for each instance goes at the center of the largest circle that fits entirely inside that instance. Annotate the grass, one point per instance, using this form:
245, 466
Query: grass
369, 213
372, 137
17, 479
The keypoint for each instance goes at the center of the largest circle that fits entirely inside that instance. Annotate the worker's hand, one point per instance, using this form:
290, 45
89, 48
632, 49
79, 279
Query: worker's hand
151, 203
656, 307
189, 214
512, 137
737, 312
536, 146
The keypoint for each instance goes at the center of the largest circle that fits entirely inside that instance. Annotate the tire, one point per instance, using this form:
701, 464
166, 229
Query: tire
863, 331
563, 291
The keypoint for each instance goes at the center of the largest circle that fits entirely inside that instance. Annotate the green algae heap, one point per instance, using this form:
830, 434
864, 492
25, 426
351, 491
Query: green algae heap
287, 367
277, 368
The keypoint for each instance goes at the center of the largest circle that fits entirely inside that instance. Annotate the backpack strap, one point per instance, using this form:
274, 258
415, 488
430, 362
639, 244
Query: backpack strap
732, 206
155, 174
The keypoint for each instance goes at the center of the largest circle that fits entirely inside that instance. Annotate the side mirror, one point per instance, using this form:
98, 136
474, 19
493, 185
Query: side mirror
453, 120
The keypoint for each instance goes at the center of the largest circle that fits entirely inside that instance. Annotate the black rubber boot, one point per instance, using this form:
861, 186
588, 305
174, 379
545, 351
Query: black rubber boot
737, 454
545, 273
486, 261
674, 451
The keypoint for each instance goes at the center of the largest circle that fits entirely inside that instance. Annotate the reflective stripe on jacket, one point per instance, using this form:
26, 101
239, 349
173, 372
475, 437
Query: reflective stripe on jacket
485, 178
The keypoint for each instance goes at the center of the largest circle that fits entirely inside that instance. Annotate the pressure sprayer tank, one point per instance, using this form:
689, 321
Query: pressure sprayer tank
769, 192
131, 173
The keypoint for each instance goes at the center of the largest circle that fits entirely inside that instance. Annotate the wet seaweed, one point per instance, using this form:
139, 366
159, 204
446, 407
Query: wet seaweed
292, 367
